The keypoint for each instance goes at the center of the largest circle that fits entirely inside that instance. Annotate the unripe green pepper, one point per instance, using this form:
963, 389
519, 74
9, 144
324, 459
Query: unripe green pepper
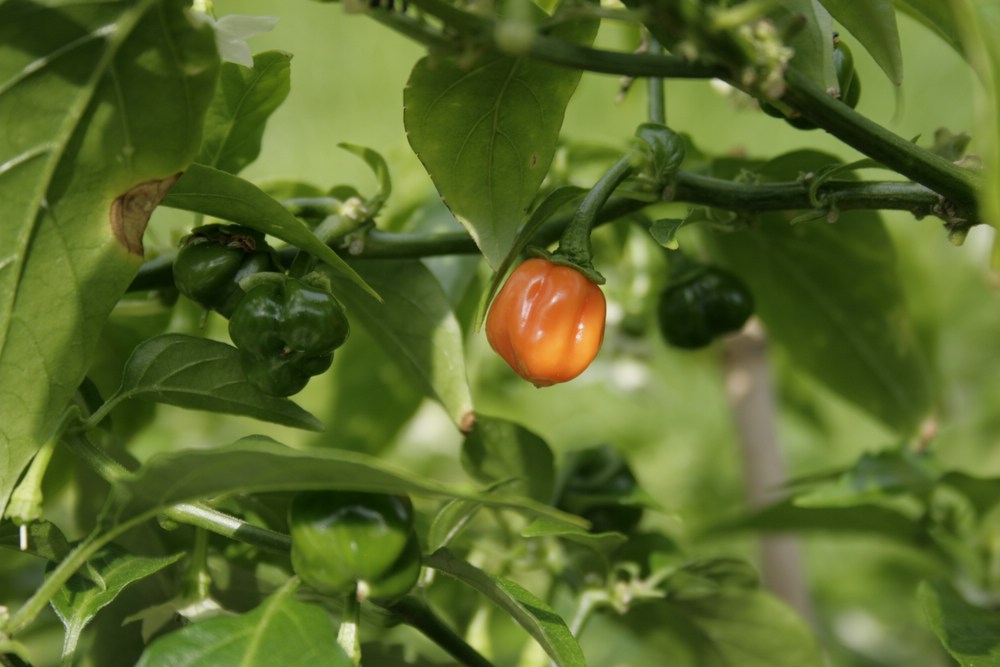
213, 259
401, 577
286, 331
594, 482
705, 304
342, 538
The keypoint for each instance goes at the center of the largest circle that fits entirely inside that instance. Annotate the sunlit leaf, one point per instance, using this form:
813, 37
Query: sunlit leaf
486, 132
102, 105
257, 464
281, 631
416, 327
243, 102
213, 192
202, 374
531, 613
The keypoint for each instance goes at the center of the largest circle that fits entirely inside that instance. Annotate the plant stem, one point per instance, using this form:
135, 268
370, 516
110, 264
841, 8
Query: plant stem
73, 561
417, 614
202, 516
878, 143
574, 244
192, 514
655, 89
790, 196
348, 636
689, 188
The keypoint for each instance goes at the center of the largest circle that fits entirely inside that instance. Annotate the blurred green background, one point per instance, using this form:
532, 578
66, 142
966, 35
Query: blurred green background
665, 407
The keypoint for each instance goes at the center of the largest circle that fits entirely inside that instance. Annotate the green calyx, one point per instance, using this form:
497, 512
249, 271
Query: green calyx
347, 539
212, 261
706, 304
286, 332
655, 160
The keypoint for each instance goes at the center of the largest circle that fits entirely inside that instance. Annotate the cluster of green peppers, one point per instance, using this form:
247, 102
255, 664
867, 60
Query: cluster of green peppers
353, 541
285, 328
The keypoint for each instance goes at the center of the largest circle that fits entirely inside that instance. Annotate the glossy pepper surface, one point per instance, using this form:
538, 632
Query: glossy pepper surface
213, 259
709, 303
341, 539
286, 332
547, 322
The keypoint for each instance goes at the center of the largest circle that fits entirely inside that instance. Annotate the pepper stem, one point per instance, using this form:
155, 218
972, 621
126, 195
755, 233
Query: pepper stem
574, 246
348, 636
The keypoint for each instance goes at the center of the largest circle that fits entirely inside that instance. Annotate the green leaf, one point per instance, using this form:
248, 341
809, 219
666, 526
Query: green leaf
982, 492
102, 106
936, 16
875, 477
970, 634
785, 517
257, 464
829, 294
605, 543
531, 613
745, 629
454, 516
45, 540
79, 600
381, 170
497, 449
813, 44
665, 231
244, 99
979, 22
209, 191
202, 374
350, 421
487, 132
873, 24
281, 631
416, 327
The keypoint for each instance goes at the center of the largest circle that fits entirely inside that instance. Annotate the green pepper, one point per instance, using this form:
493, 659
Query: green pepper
286, 331
596, 483
401, 577
213, 259
343, 538
707, 303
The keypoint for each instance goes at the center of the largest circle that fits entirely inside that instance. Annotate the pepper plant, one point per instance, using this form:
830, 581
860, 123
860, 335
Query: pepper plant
255, 312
